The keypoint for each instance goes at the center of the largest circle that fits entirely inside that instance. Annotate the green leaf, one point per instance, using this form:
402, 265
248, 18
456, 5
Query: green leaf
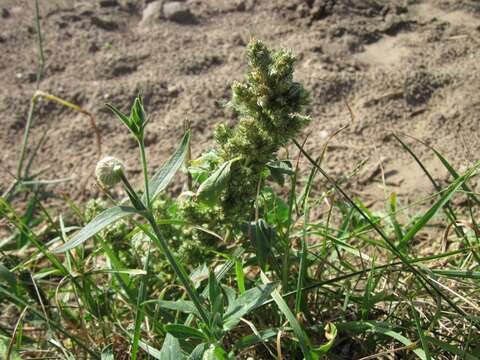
262, 236
107, 354
121, 116
452, 172
452, 349
104, 219
165, 174
303, 340
184, 332
331, 333
210, 189
240, 275
132, 272
171, 349
4, 342
215, 353
248, 301
19, 301
253, 339
278, 169
138, 115
421, 333
183, 306
379, 328
197, 353
215, 296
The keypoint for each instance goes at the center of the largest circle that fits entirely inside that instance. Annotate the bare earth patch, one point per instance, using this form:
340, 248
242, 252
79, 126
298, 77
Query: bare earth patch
401, 68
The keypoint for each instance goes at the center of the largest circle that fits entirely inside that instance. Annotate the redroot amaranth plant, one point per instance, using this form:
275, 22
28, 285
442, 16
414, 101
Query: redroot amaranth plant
269, 104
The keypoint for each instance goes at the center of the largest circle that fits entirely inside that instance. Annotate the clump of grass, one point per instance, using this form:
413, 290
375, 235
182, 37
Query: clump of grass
232, 269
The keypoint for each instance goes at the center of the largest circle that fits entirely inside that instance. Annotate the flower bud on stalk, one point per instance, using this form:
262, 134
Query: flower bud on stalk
108, 171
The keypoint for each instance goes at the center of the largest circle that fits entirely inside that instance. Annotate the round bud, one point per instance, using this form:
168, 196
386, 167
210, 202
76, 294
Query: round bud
108, 170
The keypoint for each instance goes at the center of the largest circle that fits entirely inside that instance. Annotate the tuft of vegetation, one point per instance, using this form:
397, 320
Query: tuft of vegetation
250, 262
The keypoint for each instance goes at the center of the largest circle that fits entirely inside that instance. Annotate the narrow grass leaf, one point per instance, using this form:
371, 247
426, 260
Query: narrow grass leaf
452, 349
380, 328
331, 333
104, 219
455, 175
447, 166
20, 301
463, 274
4, 344
421, 334
297, 329
393, 211
132, 272
438, 205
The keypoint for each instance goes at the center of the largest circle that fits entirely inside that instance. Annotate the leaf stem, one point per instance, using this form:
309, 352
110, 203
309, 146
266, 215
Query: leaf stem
141, 144
192, 293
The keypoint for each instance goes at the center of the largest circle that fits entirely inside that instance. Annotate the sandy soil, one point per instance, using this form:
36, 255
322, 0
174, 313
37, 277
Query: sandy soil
403, 66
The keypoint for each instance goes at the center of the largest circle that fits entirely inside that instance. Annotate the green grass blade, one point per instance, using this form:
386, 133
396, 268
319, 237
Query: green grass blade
438, 205
447, 209
463, 274
421, 333
297, 329
447, 166
379, 328
452, 349
19, 301
302, 272
393, 210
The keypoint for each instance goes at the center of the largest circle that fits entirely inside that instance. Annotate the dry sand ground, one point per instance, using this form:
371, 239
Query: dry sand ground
402, 66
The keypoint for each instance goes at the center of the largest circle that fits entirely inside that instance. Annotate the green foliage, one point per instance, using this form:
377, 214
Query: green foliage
221, 273
137, 120
269, 105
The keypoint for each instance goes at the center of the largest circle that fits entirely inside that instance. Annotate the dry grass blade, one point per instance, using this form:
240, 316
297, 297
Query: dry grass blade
75, 107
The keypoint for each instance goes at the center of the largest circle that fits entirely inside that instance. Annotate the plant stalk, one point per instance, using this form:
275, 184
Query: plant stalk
192, 293
141, 144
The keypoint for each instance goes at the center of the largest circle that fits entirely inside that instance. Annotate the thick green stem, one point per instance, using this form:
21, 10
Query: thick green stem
192, 293
160, 239
141, 144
